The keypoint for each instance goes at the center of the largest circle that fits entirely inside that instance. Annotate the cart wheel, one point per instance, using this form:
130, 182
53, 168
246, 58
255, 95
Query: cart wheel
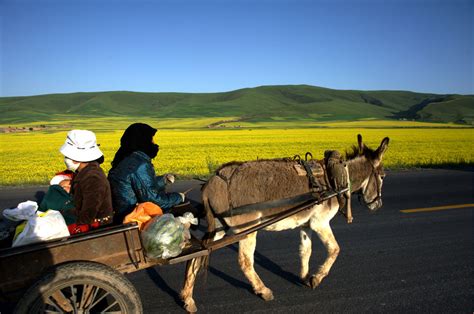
81, 287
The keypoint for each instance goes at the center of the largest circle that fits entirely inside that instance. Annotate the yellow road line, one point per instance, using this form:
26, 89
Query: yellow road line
429, 209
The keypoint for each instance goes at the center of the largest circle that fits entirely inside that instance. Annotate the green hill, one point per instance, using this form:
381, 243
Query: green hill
260, 104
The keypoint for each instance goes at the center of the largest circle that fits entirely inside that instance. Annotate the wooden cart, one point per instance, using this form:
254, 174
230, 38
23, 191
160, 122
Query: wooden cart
84, 273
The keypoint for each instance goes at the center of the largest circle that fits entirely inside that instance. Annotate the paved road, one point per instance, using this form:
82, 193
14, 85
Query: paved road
390, 261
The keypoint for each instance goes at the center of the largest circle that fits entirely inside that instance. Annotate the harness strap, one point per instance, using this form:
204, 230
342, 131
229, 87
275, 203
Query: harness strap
295, 208
379, 196
313, 183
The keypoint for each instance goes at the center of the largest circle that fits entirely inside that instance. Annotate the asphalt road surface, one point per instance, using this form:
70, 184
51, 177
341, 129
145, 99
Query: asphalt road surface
392, 261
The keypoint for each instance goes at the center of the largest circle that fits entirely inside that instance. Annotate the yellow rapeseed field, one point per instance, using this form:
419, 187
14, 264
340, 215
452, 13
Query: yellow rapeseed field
33, 158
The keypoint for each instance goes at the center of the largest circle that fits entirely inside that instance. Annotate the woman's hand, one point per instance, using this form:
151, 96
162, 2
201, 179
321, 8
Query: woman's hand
169, 178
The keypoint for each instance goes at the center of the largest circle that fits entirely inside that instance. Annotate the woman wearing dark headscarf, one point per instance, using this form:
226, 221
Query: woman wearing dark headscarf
132, 177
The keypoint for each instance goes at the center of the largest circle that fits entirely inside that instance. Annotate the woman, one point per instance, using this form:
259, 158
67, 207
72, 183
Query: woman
90, 188
132, 177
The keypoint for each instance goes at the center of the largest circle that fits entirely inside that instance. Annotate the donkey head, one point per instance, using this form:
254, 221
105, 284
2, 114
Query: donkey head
370, 186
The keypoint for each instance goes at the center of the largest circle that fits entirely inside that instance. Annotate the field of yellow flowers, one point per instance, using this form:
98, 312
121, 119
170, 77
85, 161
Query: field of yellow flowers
33, 157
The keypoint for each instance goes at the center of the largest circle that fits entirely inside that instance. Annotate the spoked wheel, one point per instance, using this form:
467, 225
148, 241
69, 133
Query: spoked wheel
81, 287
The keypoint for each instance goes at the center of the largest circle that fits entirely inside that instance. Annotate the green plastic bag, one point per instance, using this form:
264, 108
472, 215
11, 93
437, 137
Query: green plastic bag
163, 237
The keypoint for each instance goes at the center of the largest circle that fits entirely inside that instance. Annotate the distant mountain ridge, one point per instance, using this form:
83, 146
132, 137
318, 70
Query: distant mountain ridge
264, 103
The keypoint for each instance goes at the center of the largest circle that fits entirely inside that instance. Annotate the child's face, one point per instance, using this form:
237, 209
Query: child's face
66, 185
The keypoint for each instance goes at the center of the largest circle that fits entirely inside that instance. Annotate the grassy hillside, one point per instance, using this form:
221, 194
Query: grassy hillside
265, 104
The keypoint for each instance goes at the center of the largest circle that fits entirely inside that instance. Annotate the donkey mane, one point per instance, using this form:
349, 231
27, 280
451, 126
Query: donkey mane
354, 152
360, 163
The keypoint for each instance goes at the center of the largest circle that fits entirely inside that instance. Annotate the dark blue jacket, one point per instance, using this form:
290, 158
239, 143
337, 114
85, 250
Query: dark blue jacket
134, 181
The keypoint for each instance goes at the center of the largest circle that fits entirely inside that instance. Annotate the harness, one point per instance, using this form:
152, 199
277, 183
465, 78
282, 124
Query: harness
319, 187
374, 173
315, 186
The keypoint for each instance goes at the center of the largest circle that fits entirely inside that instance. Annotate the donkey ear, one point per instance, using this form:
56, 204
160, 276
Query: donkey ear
360, 144
383, 147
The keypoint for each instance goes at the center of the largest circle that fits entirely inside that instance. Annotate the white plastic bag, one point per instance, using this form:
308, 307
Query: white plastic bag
23, 211
187, 220
42, 227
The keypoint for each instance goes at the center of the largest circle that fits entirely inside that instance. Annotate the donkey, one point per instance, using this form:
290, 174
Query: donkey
241, 183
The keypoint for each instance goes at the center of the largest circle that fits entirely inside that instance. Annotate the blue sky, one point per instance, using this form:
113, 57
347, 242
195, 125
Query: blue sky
58, 46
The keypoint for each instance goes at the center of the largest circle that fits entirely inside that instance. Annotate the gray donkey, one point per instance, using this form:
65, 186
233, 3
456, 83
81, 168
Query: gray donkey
242, 183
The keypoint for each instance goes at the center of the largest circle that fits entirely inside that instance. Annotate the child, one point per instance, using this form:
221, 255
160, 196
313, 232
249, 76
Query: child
58, 196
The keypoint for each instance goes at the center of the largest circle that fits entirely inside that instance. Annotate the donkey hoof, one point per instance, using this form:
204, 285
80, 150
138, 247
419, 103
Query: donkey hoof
266, 294
349, 220
190, 306
306, 281
314, 282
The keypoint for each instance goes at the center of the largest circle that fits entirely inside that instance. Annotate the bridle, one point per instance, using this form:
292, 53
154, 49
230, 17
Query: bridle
375, 173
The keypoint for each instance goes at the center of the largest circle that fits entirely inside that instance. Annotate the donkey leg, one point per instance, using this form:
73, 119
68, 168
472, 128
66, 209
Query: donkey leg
305, 252
246, 262
192, 268
327, 237
349, 207
347, 196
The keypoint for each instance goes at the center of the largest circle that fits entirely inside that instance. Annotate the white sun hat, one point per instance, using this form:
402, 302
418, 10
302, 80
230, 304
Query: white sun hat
81, 145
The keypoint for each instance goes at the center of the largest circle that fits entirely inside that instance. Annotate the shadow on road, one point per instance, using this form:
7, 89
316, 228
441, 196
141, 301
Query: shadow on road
271, 266
156, 278
233, 281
